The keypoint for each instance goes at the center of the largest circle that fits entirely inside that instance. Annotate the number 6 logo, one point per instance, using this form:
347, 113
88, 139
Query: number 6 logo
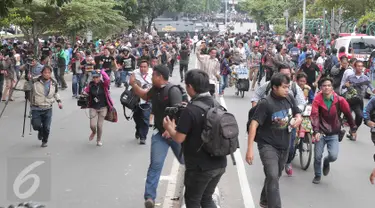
23, 177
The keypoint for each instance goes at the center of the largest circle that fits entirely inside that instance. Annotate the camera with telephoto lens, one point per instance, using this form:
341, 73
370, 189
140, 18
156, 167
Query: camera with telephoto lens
175, 111
83, 101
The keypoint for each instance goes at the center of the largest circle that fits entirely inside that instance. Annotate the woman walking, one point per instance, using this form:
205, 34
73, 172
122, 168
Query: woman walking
99, 103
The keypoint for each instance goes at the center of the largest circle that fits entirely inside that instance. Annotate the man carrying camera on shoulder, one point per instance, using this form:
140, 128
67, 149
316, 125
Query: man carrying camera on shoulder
162, 95
203, 171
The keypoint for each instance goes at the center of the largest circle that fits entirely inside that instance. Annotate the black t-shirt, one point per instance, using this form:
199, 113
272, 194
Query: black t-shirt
128, 63
46, 51
311, 72
273, 115
160, 100
97, 96
191, 124
107, 62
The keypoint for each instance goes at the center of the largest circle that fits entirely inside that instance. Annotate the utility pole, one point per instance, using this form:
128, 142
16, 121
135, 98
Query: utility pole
304, 19
286, 15
226, 13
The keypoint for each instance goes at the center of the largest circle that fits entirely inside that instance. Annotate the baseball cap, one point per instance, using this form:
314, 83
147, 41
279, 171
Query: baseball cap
309, 56
95, 74
163, 70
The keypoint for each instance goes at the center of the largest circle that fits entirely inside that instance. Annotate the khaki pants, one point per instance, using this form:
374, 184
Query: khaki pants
253, 76
9, 84
96, 121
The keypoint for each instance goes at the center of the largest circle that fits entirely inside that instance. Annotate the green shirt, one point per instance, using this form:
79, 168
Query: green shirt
328, 102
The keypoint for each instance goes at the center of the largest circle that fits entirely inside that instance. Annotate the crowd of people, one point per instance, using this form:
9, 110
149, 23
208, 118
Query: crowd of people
298, 71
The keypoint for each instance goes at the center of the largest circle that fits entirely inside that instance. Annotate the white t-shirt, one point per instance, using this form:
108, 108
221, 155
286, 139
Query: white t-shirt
145, 80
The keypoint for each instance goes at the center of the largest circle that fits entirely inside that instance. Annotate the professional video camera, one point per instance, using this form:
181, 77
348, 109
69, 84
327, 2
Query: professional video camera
83, 101
175, 111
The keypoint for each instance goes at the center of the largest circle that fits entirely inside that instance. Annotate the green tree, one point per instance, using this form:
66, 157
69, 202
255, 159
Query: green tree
131, 10
154, 8
34, 19
95, 15
5, 5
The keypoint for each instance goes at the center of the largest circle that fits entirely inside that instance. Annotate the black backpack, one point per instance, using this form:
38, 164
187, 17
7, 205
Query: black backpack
220, 132
168, 88
328, 64
129, 100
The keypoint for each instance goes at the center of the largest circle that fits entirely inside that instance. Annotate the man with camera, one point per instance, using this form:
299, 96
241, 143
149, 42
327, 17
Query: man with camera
162, 95
203, 171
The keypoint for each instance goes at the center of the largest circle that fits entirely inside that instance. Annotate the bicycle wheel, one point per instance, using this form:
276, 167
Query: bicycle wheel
305, 151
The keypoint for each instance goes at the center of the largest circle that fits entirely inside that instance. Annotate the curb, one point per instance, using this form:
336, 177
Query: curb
215, 197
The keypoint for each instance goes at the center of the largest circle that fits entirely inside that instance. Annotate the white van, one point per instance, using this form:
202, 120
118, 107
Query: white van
362, 45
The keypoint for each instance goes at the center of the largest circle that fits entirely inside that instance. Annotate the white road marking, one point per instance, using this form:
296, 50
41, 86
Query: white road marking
172, 183
242, 176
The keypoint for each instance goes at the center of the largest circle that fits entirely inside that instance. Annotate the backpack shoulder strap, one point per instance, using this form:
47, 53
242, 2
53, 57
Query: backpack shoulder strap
201, 105
268, 88
294, 89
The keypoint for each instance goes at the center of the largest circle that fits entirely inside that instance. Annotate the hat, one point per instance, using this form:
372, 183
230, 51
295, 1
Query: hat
309, 56
163, 70
95, 73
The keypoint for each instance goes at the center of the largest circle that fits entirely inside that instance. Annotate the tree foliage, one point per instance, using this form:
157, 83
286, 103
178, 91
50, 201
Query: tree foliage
366, 19
95, 15
198, 6
6, 5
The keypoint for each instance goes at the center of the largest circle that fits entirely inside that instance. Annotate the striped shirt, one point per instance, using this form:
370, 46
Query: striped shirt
210, 65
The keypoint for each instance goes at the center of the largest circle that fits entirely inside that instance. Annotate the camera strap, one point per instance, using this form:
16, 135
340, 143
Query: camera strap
127, 117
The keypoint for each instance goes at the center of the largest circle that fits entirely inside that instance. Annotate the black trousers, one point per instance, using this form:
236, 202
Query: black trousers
41, 122
356, 105
273, 161
183, 70
200, 186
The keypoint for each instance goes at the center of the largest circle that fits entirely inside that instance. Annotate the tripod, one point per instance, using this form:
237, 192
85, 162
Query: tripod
26, 100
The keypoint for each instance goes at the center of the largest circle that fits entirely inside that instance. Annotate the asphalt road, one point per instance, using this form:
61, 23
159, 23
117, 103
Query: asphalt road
78, 174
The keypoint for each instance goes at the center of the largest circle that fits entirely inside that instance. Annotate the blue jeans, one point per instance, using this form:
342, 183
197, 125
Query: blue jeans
41, 122
223, 83
121, 77
159, 151
77, 84
142, 119
293, 135
333, 151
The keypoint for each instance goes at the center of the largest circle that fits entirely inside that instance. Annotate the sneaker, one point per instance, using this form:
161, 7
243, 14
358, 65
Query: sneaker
142, 141
326, 167
99, 143
44, 144
316, 180
350, 136
149, 203
289, 170
137, 135
40, 135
